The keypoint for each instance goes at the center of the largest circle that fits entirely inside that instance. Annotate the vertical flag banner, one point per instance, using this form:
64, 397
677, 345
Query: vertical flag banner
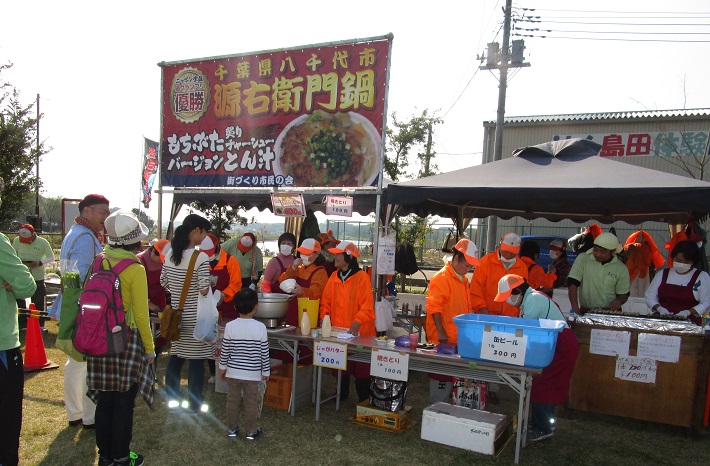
150, 168
309, 116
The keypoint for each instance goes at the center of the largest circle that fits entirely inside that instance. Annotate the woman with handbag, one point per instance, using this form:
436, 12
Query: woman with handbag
186, 274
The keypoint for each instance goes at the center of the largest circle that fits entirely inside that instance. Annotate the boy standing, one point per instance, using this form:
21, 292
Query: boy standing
244, 362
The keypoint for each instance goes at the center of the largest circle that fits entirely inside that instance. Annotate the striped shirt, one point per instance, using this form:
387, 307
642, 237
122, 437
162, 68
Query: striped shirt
245, 350
172, 278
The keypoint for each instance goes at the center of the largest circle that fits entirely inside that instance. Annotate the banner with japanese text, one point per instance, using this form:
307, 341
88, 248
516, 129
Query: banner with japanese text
150, 168
659, 143
305, 117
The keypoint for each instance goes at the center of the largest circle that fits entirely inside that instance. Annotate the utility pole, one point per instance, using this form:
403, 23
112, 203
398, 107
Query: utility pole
501, 60
428, 151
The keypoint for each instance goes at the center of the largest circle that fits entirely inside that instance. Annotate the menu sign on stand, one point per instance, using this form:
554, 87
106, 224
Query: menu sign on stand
288, 204
504, 347
636, 369
609, 342
330, 354
391, 365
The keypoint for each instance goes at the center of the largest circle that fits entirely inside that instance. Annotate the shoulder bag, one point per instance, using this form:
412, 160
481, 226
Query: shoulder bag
170, 319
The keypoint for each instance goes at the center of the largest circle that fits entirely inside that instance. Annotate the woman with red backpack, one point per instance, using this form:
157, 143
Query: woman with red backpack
113, 381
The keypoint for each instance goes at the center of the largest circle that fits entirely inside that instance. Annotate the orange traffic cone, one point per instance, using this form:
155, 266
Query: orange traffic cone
35, 355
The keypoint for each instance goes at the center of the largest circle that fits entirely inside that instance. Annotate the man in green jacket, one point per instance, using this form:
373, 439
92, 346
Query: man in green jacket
16, 282
35, 252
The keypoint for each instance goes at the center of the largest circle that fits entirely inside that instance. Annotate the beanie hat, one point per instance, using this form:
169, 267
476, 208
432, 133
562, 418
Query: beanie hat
92, 199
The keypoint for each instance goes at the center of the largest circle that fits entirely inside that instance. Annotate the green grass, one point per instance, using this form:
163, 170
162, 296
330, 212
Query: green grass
167, 437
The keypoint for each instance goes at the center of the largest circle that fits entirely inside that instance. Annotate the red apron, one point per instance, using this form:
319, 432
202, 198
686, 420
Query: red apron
552, 386
227, 311
292, 319
276, 286
156, 292
678, 298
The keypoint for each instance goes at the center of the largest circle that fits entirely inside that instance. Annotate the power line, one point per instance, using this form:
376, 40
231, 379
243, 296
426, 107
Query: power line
622, 12
613, 32
617, 24
462, 92
614, 39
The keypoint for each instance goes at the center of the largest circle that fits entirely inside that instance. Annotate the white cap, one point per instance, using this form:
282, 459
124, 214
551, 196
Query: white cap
511, 243
309, 246
469, 250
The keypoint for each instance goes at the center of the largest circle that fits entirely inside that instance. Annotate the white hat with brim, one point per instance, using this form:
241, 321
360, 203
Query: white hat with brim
608, 241
124, 228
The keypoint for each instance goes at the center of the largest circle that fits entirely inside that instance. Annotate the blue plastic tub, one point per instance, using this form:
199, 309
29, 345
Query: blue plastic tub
541, 343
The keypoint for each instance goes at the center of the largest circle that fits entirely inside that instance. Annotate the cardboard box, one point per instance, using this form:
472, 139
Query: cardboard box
379, 418
466, 428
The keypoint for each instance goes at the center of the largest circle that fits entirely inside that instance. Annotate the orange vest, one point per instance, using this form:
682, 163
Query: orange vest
349, 301
448, 296
484, 284
317, 275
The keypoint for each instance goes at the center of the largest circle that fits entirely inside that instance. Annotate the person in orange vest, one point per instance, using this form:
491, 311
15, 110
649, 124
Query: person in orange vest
448, 296
538, 279
491, 268
310, 278
349, 300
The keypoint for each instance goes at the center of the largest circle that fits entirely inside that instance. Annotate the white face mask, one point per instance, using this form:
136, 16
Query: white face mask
507, 261
306, 261
286, 250
554, 255
514, 299
681, 268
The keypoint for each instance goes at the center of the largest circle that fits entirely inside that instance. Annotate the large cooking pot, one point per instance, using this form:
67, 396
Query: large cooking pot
272, 306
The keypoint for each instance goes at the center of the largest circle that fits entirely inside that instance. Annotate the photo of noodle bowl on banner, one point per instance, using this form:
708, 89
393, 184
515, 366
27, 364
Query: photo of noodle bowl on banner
329, 149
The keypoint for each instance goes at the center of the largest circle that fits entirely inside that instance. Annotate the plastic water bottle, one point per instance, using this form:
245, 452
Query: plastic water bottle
325, 327
572, 316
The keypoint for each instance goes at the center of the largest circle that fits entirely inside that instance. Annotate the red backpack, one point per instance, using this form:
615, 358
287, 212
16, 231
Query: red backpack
100, 328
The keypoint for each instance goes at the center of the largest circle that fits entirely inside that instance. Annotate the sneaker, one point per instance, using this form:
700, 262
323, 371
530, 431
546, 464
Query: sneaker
233, 433
104, 461
134, 459
255, 435
210, 380
173, 404
537, 435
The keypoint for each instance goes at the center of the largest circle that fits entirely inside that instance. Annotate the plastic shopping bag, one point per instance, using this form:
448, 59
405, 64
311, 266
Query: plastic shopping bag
383, 315
206, 327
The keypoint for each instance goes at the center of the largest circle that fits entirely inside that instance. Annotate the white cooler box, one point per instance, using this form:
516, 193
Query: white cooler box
470, 429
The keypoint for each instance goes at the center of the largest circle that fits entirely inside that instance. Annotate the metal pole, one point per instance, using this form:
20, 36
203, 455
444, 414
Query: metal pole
37, 166
500, 120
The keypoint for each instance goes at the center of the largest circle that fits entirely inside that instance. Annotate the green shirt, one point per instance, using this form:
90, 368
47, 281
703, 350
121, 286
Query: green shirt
38, 250
246, 261
599, 283
23, 286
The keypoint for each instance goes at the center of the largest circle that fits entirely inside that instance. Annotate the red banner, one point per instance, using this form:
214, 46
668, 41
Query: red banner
310, 116
150, 168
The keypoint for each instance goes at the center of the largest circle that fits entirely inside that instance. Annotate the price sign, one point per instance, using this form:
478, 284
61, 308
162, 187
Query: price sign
504, 347
636, 369
330, 354
389, 364
339, 205
288, 204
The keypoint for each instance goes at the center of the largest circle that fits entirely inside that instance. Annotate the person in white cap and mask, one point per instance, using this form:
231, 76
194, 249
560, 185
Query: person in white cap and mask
492, 266
598, 279
249, 256
35, 252
448, 296
310, 278
552, 386
560, 263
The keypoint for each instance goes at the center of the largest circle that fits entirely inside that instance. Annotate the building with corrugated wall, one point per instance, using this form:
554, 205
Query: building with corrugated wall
672, 141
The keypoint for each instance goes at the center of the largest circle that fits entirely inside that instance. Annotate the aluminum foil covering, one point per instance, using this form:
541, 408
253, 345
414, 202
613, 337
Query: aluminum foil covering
640, 323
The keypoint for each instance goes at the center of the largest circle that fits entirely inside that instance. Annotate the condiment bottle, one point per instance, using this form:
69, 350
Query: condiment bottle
325, 327
305, 323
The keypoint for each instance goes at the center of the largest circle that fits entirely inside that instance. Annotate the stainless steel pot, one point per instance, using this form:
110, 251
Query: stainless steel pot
272, 306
